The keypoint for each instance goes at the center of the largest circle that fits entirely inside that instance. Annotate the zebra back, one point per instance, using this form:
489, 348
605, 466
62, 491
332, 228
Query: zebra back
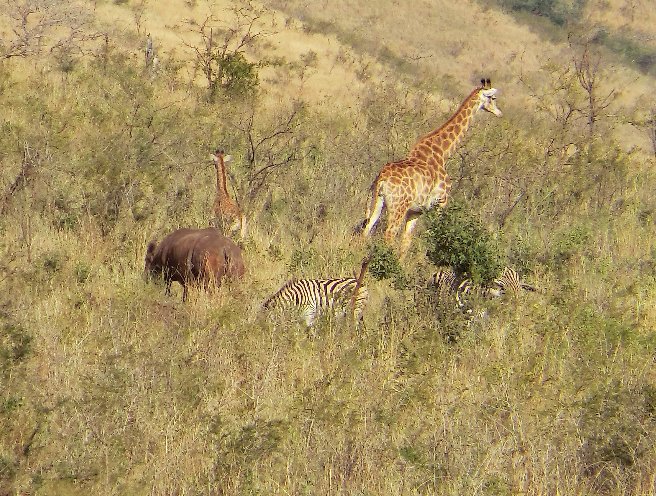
449, 284
315, 295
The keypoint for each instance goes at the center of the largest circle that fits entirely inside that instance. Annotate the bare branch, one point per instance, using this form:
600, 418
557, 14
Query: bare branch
223, 43
31, 161
55, 25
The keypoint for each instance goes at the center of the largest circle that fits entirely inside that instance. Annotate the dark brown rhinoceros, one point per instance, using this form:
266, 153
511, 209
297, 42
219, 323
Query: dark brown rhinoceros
194, 256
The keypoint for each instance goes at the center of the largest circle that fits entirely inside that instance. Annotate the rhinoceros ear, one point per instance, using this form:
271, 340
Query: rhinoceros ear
151, 247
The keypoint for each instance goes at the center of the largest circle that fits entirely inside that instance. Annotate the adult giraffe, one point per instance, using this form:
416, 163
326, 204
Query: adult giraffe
229, 215
409, 186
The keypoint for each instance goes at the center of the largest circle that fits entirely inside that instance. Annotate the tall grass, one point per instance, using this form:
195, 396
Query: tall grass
109, 386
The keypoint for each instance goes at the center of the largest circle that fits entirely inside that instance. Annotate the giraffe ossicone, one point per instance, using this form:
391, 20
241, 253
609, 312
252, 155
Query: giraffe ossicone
412, 185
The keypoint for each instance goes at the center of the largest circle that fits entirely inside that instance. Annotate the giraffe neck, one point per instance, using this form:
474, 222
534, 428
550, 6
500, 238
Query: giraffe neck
221, 181
441, 142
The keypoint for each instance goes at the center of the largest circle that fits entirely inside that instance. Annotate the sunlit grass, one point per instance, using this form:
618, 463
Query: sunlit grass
109, 386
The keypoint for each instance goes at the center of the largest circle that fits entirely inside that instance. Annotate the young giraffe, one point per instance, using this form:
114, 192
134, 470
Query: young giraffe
230, 217
409, 186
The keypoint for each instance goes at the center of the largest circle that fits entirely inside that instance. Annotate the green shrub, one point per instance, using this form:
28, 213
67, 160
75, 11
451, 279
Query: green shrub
557, 11
238, 75
455, 237
384, 264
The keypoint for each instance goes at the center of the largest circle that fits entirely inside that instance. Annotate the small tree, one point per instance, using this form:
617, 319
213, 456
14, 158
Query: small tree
455, 238
587, 67
59, 26
221, 56
271, 148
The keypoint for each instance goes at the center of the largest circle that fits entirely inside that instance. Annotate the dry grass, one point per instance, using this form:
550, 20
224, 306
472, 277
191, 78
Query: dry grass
108, 386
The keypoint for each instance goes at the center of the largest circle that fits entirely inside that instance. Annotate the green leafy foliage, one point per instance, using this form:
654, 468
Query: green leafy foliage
454, 237
238, 76
384, 264
557, 11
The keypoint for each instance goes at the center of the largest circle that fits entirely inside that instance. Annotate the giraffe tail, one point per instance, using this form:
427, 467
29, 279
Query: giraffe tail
371, 200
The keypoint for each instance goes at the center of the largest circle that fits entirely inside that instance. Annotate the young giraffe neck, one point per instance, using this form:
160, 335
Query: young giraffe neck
222, 195
441, 142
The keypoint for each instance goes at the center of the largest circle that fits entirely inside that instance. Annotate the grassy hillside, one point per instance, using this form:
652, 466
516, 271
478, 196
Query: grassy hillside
109, 386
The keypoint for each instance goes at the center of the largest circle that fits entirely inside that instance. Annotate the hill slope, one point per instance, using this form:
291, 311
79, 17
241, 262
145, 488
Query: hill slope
109, 386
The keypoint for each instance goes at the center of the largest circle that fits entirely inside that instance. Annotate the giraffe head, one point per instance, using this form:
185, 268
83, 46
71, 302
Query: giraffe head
219, 155
487, 97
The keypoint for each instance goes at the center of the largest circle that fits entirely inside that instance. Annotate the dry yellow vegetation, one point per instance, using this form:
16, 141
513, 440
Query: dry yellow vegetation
108, 386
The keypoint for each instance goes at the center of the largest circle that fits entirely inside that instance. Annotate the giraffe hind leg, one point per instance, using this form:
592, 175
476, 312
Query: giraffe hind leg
395, 220
406, 240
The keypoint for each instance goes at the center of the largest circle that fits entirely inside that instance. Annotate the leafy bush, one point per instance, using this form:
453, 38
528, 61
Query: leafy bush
238, 76
557, 11
384, 264
455, 238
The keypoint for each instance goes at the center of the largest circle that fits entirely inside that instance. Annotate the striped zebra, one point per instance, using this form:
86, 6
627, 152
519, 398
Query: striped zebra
313, 296
510, 283
449, 284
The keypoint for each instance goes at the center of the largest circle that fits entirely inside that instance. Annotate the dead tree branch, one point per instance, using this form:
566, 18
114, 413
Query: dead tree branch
30, 163
53, 25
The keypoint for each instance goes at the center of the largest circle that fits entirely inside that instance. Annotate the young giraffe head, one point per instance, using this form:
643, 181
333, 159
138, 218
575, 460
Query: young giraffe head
487, 97
219, 155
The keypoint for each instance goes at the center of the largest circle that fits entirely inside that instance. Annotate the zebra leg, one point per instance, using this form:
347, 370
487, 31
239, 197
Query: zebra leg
309, 315
361, 299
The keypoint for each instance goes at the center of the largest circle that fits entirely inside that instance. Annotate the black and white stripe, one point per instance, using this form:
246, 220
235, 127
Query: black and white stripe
510, 283
313, 296
448, 284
